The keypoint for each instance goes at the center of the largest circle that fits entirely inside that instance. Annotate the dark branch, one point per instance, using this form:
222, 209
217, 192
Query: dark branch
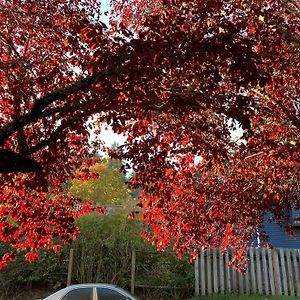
56, 134
11, 162
40, 104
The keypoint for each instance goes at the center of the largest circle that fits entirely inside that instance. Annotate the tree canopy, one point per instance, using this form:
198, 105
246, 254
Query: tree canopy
109, 188
177, 77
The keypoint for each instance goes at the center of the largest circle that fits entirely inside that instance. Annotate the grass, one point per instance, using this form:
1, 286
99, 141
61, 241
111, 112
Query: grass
243, 297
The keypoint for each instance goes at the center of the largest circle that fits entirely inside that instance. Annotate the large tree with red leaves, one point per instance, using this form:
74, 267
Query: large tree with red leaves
177, 77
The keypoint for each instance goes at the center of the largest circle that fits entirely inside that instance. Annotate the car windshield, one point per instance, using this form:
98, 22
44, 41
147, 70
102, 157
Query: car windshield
61, 293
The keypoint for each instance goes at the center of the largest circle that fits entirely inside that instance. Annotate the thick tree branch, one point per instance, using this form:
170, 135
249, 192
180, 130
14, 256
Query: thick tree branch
40, 104
55, 135
11, 162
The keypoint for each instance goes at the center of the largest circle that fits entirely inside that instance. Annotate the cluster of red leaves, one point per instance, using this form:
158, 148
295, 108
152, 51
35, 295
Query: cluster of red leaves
36, 213
172, 75
215, 61
89, 207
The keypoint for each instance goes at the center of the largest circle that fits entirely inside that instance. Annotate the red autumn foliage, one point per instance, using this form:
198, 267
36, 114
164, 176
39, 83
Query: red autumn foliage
172, 75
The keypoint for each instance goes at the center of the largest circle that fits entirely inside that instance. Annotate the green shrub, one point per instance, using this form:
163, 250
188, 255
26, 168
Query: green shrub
49, 270
102, 253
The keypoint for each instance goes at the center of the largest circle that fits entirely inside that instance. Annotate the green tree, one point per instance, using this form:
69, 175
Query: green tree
103, 248
109, 188
103, 252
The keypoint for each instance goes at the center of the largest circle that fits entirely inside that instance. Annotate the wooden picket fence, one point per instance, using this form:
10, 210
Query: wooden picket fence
269, 272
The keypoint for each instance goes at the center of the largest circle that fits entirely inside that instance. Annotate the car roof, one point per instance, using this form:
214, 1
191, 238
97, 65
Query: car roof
82, 285
92, 284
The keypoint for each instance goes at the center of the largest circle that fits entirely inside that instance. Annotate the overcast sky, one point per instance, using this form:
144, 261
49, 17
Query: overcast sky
108, 136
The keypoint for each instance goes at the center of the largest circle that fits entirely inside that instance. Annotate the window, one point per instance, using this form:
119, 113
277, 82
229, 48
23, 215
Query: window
295, 216
108, 294
79, 294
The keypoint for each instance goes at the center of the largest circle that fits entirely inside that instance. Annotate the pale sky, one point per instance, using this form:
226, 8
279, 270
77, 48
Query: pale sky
105, 7
109, 137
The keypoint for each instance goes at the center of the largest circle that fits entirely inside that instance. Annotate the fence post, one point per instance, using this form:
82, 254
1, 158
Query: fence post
133, 259
197, 277
70, 266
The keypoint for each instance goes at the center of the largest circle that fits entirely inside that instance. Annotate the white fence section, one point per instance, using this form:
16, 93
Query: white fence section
269, 272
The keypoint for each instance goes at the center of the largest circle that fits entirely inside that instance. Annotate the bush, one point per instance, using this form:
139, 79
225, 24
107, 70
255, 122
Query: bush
102, 253
48, 271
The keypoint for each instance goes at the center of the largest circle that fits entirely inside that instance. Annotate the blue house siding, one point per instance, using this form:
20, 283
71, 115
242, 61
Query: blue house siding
279, 238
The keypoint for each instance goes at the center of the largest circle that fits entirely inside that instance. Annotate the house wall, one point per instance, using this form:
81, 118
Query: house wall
279, 238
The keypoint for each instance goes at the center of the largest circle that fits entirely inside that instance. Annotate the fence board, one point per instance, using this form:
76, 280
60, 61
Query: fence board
241, 282
227, 273
197, 276
296, 271
208, 269
215, 272
283, 272
265, 272
234, 279
258, 270
290, 272
252, 271
234, 284
221, 268
247, 281
276, 269
202, 273
271, 271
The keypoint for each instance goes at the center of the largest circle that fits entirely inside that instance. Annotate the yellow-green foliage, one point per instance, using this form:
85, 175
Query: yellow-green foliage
109, 188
